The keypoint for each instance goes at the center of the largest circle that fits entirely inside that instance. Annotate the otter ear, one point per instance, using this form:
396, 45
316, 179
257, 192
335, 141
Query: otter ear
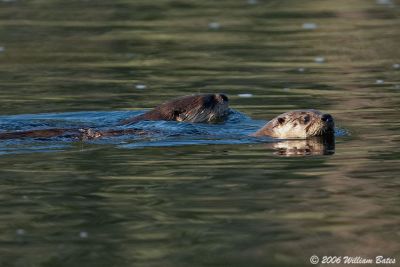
281, 120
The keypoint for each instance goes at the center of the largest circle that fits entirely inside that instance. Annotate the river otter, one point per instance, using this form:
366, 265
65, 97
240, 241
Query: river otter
193, 108
298, 124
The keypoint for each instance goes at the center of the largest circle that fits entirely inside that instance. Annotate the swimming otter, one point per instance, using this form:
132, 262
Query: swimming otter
298, 124
193, 108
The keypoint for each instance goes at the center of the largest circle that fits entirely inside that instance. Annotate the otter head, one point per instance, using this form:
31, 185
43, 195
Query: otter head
299, 124
199, 108
193, 108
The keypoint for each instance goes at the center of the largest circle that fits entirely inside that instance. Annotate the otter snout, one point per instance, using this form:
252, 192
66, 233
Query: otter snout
328, 122
221, 98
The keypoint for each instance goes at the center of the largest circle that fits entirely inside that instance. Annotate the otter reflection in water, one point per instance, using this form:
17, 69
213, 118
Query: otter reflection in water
317, 145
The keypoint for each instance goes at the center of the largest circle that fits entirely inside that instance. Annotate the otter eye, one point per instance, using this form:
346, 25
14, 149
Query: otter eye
306, 119
281, 120
176, 114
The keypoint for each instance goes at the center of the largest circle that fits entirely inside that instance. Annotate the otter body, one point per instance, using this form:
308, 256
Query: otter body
199, 108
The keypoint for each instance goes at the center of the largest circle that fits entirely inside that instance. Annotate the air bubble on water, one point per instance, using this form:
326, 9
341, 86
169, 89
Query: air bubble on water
286, 89
319, 59
309, 26
140, 86
301, 69
83, 234
20, 232
2, 49
214, 25
25, 197
252, 2
245, 95
379, 81
384, 2
396, 66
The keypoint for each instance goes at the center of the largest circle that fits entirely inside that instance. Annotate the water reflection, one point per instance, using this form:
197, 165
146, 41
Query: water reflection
310, 146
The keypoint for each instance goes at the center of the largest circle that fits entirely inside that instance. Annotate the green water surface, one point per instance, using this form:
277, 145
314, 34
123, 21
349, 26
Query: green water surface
202, 205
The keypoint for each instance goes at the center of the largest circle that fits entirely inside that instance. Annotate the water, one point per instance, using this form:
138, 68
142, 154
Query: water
230, 204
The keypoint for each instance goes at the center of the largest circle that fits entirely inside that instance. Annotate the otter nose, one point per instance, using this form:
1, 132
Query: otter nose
221, 98
327, 118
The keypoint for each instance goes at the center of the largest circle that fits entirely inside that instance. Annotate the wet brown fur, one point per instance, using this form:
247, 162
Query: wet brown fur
184, 108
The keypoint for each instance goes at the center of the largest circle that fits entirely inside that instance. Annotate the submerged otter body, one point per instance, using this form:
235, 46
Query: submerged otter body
199, 108
299, 124
75, 134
